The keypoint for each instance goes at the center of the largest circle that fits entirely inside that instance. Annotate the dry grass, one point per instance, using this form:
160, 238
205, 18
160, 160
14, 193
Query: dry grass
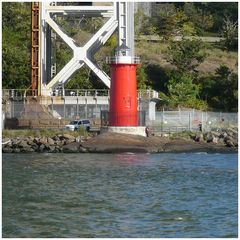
156, 52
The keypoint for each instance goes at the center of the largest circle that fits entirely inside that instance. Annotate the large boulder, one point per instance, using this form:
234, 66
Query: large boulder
41, 148
79, 139
230, 143
68, 141
16, 150
27, 149
43, 140
7, 150
73, 147
50, 141
6, 141
56, 138
50, 148
208, 137
23, 144
215, 140
198, 137
216, 134
68, 136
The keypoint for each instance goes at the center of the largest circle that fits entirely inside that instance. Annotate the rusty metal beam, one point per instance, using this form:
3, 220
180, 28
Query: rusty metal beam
35, 48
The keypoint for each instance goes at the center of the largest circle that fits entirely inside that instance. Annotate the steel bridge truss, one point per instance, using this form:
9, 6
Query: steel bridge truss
119, 14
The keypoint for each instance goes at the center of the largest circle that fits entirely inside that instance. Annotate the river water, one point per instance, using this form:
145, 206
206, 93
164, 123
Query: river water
119, 195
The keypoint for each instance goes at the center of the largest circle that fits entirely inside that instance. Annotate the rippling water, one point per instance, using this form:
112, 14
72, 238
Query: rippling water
119, 195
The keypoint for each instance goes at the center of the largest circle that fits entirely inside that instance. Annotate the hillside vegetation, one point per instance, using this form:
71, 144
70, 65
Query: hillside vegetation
188, 73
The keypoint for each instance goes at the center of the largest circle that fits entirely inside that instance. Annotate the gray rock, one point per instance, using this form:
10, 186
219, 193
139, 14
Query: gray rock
225, 134
71, 148
34, 145
68, 136
36, 140
215, 140
83, 149
41, 148
228, 138
221, 136
221, 141
78, 139
216, 134
23, 144
208, 137
230, 143
16, 150
59, 143
51, 149
43, 140
30, 142
232, 132
198, 137
58, 149
15, 142
50, 141
27, 149
68, 141
7, 150
61, 137
6, 140
8, 144
56, 138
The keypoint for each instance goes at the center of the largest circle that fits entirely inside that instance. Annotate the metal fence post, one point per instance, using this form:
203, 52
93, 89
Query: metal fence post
52, 105
77, 108
64, 109
86, 108
162, 120
190, 121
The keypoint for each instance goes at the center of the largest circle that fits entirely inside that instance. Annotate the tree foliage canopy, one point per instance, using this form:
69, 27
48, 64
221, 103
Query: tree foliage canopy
16, 45
186, 54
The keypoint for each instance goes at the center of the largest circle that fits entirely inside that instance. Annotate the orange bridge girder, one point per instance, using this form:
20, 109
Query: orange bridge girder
35, 49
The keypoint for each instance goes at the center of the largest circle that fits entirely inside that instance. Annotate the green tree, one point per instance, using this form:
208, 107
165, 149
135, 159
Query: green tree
221, 89
143, 24
199, 15
171, 21
80, 80
226, 89
186, 55
183, 92
16, 45
220, 9
230, 34
141, 78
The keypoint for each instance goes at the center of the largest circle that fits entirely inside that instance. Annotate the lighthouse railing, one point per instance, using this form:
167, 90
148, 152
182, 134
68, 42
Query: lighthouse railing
123, 59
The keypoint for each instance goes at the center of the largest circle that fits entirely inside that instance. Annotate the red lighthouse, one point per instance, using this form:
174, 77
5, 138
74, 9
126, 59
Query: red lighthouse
123, 110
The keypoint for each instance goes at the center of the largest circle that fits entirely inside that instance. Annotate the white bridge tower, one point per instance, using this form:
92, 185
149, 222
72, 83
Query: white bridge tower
120, 17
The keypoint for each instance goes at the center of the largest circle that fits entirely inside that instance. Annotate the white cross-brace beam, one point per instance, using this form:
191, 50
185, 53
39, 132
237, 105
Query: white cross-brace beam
82, 55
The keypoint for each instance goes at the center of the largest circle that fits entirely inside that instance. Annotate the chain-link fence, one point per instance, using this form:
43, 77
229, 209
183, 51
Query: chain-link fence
61, 113
165, 121
192, 120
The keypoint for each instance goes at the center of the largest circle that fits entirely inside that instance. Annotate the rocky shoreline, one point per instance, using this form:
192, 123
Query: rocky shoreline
215, 141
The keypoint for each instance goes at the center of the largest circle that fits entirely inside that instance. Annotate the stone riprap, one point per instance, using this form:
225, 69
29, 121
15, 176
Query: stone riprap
214, 141
56, 144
